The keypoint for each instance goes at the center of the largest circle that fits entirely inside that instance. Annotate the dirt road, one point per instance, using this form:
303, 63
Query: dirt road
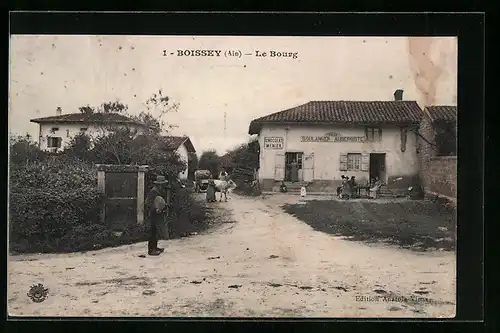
267, 263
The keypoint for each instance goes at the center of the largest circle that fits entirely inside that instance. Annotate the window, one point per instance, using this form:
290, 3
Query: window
446, 139
54, 142
353, 162
373, 134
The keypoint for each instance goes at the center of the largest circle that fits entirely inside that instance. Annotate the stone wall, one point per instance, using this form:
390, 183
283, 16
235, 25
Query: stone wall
438, 175
443, 176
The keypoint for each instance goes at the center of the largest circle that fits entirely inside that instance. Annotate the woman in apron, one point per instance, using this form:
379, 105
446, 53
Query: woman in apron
211, 190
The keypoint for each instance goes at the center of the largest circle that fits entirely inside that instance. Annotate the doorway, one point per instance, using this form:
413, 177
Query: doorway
377, 167
293, 174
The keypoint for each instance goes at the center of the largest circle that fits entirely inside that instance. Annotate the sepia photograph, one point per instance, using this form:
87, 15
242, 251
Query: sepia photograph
232, 176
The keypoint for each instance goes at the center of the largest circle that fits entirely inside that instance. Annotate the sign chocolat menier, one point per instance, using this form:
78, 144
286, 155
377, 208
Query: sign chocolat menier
273, 143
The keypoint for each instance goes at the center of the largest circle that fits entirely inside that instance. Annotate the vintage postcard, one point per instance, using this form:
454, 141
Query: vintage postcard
235, 176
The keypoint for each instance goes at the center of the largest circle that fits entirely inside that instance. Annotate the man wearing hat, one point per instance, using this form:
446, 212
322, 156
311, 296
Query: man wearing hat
158, 208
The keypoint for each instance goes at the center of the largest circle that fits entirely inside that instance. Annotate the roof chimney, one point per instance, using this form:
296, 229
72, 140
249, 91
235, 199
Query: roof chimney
398, 95
58, 111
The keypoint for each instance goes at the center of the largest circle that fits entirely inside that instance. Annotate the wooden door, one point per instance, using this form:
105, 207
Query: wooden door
121, 199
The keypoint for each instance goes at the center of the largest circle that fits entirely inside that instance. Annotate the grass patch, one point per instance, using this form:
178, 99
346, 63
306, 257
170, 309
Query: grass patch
418, 225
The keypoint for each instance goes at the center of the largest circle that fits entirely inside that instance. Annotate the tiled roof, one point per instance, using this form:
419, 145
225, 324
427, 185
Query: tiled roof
174, 142
442, 112
345, 112
86, 118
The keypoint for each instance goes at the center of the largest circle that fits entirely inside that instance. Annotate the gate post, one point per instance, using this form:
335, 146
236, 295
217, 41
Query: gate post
101, 185
140, 194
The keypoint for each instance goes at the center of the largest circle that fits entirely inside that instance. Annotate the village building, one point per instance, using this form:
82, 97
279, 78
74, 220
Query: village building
183, 146
437, 148
56, 132
328, 139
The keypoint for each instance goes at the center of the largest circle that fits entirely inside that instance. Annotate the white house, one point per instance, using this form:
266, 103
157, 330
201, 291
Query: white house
56, 132
328, 139
183, 146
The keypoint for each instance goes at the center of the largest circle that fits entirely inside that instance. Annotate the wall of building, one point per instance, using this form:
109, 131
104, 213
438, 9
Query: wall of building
184, 156
324, 157
438, 175
66, 132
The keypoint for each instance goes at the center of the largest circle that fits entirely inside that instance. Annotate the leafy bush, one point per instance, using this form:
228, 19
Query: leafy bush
187, 214
48, 200
247, 189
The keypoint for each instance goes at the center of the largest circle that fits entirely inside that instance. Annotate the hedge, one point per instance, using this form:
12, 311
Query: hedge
50, 200
54, 206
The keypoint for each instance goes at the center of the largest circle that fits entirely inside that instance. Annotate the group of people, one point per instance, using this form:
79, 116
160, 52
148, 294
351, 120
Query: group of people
349, 187
211, 189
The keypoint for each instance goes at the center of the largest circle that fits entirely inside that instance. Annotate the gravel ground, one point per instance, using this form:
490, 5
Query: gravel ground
258, 262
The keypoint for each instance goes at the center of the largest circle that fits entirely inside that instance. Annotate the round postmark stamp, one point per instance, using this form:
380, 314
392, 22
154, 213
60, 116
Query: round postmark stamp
38, 293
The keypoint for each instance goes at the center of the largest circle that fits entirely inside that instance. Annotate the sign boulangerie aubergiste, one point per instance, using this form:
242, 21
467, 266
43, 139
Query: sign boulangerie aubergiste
332, 137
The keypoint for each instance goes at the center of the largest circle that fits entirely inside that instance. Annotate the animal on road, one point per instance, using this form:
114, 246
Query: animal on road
223, 186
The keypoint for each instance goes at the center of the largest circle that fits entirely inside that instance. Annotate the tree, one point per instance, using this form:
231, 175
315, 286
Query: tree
209, 160
107, 107
159, 104
192, 164
24, 150
79, 147
125, 145
246, 155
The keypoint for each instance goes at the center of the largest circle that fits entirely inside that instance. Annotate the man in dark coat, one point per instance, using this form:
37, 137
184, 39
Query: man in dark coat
158, 201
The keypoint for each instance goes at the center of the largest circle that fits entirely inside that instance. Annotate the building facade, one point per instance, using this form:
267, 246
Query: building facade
55, 133
437, 147
183, 146
328, 139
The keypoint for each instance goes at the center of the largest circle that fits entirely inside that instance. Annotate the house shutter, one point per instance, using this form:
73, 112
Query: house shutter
279, 166
343, 162
403, 138
308, 168
365, 162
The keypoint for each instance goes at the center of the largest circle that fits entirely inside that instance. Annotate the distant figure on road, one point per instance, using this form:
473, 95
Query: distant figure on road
211, 190
223, 174
158, 208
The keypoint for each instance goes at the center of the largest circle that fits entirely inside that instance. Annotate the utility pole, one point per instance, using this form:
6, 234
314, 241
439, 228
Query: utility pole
224, 125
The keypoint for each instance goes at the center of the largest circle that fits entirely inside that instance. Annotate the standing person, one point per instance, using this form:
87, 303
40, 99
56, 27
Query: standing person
157, 212
339, 188
211, 190
294, 172
354, 186
223, 174
375, 188
346, 188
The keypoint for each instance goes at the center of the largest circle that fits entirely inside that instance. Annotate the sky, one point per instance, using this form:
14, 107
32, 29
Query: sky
48, 71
